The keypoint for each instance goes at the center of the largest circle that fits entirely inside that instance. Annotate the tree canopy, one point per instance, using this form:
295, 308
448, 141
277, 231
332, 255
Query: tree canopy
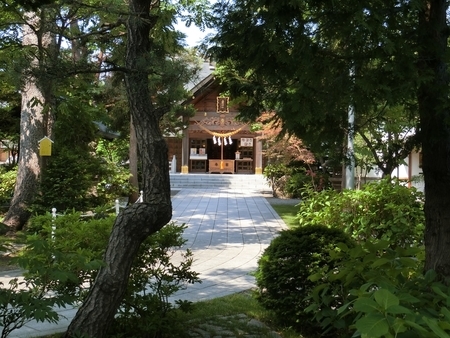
77, 52
310, 60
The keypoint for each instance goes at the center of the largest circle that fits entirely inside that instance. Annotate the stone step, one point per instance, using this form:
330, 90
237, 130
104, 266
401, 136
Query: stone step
232, 181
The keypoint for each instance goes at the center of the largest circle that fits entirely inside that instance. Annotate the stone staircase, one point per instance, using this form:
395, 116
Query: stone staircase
231, 181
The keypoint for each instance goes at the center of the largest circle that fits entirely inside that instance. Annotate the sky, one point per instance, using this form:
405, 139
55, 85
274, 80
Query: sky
193, 34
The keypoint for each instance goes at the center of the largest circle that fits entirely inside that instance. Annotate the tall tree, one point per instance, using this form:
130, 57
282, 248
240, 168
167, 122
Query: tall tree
36, 118
434, 110
389, 135
149, 100
309, 60
44, 25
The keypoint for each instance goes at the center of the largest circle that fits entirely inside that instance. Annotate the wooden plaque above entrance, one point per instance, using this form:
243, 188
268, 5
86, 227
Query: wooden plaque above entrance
222, 105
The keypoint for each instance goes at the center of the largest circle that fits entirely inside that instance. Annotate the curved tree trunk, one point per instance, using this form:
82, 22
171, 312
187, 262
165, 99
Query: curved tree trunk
133, 158
140, 220
35, 123
434, 112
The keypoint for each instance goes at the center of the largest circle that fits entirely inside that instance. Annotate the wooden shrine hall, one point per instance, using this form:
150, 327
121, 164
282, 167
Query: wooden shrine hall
213, 140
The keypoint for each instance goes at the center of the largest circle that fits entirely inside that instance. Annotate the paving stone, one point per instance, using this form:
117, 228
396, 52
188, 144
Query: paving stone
248, 221
256, 323
251, 328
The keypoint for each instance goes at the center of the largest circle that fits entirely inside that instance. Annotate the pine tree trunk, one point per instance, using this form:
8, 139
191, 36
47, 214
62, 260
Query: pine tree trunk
35, 123
140, 220
133, 158
434, 112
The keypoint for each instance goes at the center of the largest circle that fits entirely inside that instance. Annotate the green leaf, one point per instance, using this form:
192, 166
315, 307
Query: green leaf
408, 261
315, 277
399, 326
434, 326
343, 308
416, 326
380, 262
366, 305
365, 286
446, 313
408, 298
438, 291
430, 276
398, 309
373, 325
385, 298
444, 325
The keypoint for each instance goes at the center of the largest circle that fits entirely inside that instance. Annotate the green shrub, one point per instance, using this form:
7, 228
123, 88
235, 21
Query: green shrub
57, 262
302, 181
68, 182
7, 183
69, 245
294, 180
276, 176
284, 268
382, 210
65, 253
387, 294
146, 310
21, 302
114, 183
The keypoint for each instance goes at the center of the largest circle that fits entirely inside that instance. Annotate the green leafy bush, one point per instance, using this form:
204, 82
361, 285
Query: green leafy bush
373, 289
387, 294
294, 180
274, 174
146, 310
58, 260
7, 183
302, 181
380, 281
284, 268
67, 250
22, 302
382, 210
68, 182
114, 183
65, 253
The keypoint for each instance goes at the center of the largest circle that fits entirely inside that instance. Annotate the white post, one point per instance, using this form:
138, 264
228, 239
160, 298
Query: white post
141, 197
350, 167
117, 207
53, 223
174, 164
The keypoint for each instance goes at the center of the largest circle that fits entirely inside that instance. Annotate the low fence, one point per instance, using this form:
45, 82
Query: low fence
118, 205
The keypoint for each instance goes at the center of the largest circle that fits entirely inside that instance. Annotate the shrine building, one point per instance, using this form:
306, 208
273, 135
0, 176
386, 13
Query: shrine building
213, 141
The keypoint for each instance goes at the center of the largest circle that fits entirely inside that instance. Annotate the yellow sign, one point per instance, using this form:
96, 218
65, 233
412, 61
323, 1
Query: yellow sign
45, 147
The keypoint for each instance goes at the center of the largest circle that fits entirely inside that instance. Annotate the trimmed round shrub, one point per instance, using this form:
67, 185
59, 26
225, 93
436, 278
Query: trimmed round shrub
286, 264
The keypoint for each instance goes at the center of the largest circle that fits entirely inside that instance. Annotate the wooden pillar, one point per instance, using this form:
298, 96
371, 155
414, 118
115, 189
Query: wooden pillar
185, 152
258, 158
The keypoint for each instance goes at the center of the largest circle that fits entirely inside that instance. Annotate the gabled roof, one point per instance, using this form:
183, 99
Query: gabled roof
203, 83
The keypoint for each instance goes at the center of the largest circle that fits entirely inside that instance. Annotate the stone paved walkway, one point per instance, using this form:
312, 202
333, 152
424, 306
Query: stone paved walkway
227, 231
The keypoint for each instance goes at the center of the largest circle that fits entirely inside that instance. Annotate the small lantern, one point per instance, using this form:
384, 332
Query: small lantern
45, 147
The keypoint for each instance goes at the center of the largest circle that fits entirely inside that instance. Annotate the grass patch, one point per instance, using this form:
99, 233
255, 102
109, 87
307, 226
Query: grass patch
239, 313
288, 213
